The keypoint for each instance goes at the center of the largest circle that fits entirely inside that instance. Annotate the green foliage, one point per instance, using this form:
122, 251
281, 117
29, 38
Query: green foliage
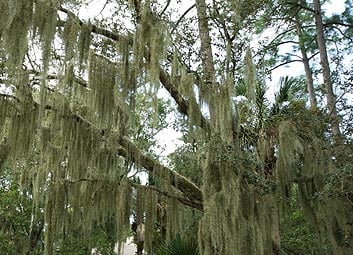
15, 217
147, 120
186, 161
178, 246
290, 91
76, 245
339, 184
299, 236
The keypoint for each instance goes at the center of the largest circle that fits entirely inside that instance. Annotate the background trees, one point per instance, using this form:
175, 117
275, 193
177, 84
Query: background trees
82, 105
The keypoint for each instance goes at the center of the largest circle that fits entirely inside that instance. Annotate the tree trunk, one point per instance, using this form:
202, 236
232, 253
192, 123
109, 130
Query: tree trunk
221, 115
275, 231
206, 49
308, 73
35, 234
330, 96
208, 87
235, 221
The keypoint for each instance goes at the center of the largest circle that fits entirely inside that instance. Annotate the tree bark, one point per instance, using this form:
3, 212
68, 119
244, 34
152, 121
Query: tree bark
308, 73
225, 196
330, 96
206, 49
208, 87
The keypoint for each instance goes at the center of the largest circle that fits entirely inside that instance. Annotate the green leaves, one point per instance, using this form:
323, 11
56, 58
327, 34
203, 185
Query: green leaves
15, 217
177, 246
291, 89
298, 235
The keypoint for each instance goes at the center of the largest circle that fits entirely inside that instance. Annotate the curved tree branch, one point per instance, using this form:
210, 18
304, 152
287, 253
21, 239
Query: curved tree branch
133, 153
283, 64
185, 201
181, 17
165, 8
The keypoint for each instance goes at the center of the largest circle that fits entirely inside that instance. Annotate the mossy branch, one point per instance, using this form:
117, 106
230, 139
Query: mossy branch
131, 152
95, 29
184, 200
183, 104
188, 188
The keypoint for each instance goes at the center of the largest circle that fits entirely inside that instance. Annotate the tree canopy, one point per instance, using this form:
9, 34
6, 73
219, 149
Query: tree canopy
84, 99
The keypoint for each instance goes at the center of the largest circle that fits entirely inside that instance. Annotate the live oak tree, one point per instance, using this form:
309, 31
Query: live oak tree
84, 107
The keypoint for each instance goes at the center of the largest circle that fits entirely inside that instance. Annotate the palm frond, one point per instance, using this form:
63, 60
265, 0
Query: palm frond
290, 89
241, 88
177, 246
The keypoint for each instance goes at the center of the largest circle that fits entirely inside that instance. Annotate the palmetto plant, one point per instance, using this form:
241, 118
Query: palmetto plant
290, 89
178, 246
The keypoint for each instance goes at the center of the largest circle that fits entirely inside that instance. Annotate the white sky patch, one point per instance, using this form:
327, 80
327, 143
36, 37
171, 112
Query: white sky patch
95, 9
170, 139
333, 7
6, 89
239, 99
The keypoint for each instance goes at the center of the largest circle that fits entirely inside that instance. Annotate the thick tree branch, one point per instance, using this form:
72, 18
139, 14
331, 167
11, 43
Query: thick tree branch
184, 200
206, 49
133, 153
184, 105
97, 30
326, 73
307, 69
